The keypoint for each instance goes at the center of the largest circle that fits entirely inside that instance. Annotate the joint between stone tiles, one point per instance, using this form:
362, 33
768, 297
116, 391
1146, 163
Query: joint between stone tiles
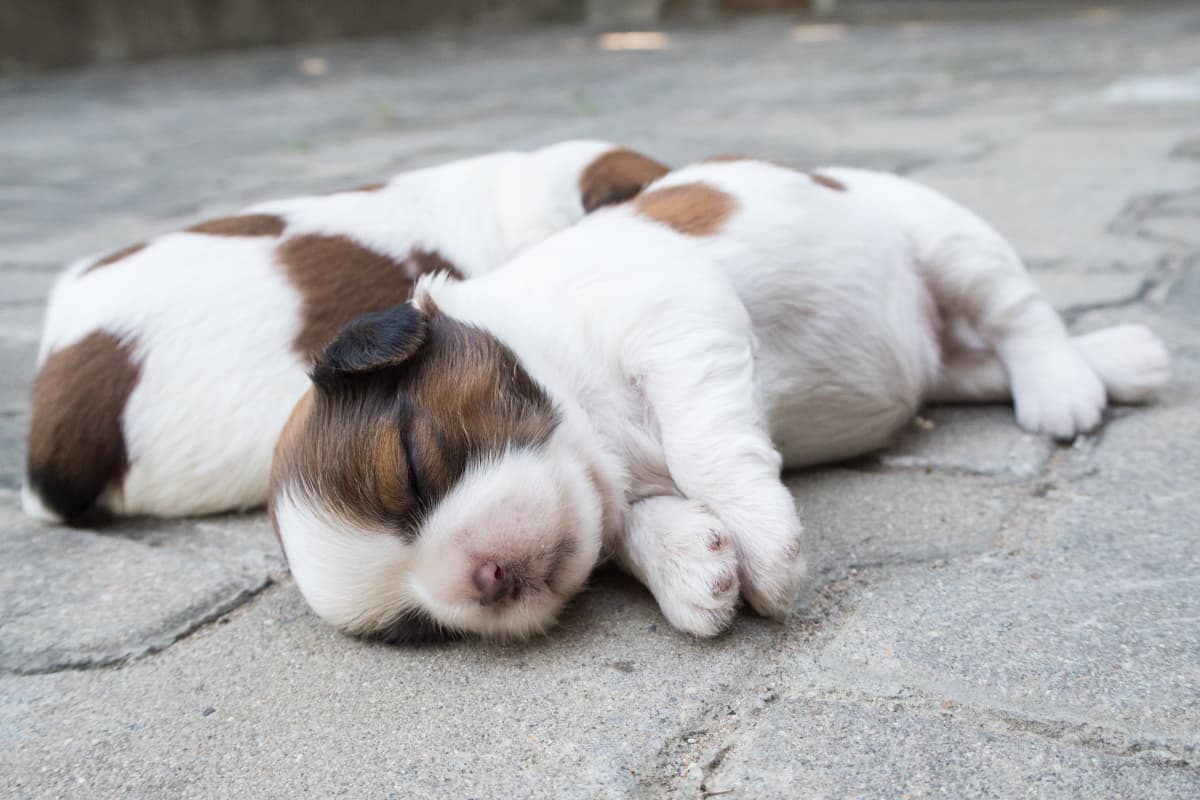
1082, 735
1092, 737
682, 766
238, 602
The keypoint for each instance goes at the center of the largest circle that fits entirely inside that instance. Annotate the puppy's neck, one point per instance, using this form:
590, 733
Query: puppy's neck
605, 472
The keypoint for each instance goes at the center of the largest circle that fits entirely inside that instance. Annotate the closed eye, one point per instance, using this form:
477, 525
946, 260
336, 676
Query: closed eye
415, 484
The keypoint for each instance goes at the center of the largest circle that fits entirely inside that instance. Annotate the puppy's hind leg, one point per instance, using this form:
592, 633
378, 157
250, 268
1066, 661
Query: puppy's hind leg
975, 274
1130, 360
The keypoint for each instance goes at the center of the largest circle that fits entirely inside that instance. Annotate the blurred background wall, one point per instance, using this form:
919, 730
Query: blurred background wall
46, 34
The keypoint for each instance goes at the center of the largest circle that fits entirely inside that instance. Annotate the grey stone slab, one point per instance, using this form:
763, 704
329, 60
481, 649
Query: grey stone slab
983, 440
1068, 290
856, 518
1182, 230
17, 355
1105, 642
13, 426
72, 598
1090, 617
816, 747
1062, 174
20, 326
25, 285
1184, 299
1181, 204
273, 703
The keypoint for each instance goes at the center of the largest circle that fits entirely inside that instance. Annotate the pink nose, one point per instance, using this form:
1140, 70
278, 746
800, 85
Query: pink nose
493, 582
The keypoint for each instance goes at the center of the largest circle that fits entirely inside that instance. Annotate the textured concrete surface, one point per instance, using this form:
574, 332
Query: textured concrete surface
998, 616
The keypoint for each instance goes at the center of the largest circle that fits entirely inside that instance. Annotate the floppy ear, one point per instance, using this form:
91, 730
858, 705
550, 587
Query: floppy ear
617, 176
372, 342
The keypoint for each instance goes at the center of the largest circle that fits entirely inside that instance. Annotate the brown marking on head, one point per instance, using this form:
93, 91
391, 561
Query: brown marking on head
111, 258
828, 182
340, 279
295, 422
368, 187
242, 225
76, 439
617, 176
384, 445
695, 209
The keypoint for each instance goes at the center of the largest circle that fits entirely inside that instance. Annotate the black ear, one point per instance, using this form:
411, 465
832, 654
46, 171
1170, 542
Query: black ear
372, 342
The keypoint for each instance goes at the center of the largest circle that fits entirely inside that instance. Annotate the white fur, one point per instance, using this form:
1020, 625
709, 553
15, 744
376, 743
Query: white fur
518, 507
32, 506
334, 562
214, 318
681, 553
515, 507
688, 370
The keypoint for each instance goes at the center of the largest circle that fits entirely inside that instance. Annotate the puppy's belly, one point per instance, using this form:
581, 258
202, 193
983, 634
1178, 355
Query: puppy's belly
841, 375
825, 424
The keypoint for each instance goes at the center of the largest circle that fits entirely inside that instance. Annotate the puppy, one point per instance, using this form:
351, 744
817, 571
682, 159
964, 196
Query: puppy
632, 387
168, 368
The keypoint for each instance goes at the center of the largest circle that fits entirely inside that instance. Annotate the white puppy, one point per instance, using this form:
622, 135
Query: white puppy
633, 386
167, 369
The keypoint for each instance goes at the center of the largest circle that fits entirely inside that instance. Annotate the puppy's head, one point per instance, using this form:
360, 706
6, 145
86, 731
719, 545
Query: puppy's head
419, 489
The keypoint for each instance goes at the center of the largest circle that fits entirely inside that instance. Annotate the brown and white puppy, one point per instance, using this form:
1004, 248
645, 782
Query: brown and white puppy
168, 368
633, 385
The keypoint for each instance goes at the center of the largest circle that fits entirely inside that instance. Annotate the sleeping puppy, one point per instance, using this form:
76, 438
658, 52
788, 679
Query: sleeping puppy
632, 387
167, 369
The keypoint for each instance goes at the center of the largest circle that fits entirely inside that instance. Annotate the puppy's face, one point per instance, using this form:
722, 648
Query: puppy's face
420, 488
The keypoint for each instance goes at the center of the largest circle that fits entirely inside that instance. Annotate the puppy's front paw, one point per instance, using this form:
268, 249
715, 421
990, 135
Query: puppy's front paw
773, 570
689, 563
698, 583
1056, 393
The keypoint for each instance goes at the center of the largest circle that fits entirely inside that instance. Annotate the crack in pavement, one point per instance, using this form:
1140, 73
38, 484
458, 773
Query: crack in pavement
1142, 208
1165, 272
680, 766
710, 746
134, 654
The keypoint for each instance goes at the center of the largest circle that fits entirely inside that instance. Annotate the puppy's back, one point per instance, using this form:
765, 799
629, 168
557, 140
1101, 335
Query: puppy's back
168, 368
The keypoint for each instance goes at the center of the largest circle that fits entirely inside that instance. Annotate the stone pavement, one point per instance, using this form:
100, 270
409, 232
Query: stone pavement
998, 617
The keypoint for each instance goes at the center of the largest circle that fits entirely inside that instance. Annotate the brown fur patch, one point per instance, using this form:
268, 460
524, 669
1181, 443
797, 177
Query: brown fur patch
828, 182
695, 209
291, 429
617, 176
76, 440
384, 447
340, 279
368, 187
726, 158
112, 258
243, 225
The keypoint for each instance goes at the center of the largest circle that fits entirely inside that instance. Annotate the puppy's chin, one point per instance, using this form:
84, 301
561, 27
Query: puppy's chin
505, 550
